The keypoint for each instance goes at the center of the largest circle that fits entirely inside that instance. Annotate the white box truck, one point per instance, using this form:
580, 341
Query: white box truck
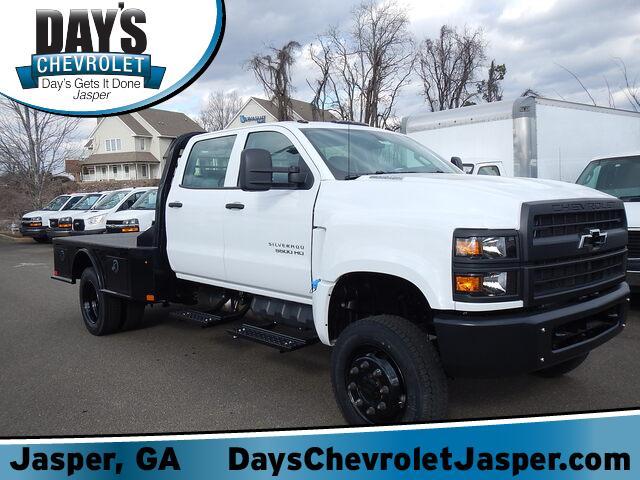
532, 136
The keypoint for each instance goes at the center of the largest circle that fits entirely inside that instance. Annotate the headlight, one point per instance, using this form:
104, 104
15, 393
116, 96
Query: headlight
65, 222
95, 220
36, 219
491, 284
488, 247
132, 221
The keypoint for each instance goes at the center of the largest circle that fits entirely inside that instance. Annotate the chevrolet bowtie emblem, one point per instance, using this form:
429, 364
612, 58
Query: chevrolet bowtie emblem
594, 240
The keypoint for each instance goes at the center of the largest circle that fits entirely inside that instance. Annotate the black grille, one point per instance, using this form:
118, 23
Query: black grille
558, 224
561, 275
114, 222
78, 225
53, 223
634, 245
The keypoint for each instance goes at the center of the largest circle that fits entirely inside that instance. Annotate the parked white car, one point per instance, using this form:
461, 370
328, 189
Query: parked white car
95, 220
138, 218
60, 224
35, 224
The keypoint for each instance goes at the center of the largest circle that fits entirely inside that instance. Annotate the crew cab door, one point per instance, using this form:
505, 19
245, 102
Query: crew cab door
268, 233
195, 210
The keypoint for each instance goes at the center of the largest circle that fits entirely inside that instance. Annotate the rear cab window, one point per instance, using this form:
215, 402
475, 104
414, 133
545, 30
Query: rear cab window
208, 161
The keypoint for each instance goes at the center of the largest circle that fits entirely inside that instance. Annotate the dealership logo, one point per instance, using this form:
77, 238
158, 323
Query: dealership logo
97, 60
253, 118
76, 53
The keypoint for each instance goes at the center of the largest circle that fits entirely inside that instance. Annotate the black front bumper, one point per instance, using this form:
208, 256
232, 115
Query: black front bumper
33, 231
77, 233
495, 344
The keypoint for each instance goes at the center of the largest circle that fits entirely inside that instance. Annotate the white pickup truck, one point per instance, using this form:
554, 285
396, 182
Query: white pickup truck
366, 241
36, 224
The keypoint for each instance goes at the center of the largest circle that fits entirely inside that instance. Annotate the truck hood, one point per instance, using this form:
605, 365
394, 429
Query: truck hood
40, 213
129, 214
463, 201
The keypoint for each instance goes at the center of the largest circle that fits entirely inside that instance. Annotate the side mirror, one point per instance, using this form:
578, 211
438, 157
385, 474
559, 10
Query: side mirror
457, 161
256, 170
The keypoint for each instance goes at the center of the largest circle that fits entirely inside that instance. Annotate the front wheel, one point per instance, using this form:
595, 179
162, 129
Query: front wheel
385, 371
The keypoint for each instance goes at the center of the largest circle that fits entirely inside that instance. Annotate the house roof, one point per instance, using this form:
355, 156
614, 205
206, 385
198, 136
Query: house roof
304, 109
119, 157
134, 125
169, 124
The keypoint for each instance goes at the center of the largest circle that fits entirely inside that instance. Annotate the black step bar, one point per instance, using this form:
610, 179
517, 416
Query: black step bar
265, 336
207, 319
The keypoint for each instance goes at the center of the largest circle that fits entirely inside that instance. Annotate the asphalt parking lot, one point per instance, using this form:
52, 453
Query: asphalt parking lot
56, 379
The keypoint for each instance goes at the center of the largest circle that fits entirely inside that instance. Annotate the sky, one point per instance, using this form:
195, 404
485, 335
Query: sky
534, 38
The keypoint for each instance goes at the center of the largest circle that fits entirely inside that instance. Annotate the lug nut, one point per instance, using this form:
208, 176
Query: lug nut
358, 403
384, 390
364, 365
352, 386
382, 406
354, 371
377, 373
371, 411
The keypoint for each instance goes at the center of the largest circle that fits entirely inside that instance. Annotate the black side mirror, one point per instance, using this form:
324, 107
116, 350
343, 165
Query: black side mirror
457, 161
256, 170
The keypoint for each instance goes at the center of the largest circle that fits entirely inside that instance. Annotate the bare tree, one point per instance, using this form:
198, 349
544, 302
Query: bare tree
363, 70
630, 87
586, 90
448, 67
491, 88
273, 71
33, 144
219, 110
530, 92
322, 57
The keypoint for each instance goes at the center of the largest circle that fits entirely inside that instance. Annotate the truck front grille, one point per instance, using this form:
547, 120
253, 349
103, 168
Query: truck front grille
561, 264
53, 223
634, 245
78, 225
558, 224
555, 276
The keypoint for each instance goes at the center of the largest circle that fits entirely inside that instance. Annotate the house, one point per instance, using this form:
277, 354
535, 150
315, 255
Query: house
259, 110
132, 146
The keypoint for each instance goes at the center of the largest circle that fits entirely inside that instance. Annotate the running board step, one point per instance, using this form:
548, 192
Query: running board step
206, 319
280, 341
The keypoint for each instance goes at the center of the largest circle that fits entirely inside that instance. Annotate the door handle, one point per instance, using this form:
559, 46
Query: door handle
175, 205
235, 206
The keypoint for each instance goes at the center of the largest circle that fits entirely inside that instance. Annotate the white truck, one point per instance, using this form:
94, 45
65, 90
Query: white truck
532, 136
60, 224
95, 220
35, 224
366, 241
138, 218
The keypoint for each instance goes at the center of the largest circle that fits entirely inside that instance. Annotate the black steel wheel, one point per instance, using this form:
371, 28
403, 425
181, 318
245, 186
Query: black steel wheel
386, 371
102, 314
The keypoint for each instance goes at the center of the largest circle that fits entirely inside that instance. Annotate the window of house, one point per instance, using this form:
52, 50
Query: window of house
113, 145
208, 162
283, 154
141, 143
104, 170
143, 169
126, 169
115, 170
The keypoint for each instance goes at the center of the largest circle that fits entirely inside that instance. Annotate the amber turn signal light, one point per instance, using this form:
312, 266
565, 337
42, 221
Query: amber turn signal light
468, 247
468, 284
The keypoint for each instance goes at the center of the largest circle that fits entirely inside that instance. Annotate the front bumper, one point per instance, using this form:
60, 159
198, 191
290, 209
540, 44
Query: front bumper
33, 231
76, 233
58, 232
496, 344
122, 229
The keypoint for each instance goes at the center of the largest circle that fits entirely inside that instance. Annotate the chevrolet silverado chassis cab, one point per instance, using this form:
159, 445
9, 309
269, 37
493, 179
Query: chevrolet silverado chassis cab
366, 241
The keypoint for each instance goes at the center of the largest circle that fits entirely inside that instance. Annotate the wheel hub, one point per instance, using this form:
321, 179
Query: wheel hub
375, 387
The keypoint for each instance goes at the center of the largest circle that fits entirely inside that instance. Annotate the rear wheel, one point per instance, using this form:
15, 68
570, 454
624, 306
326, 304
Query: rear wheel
102, 314
385, 370
561, 368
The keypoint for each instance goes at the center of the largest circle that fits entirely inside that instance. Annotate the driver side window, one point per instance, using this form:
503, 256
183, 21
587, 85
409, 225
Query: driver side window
207, 163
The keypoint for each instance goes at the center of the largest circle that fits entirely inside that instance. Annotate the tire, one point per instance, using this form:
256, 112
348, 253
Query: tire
132, 315
561, 368
102, 314
387, 364
41, 239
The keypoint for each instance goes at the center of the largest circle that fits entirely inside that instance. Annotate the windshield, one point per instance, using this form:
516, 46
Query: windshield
57, 203
87, 202
350, 153
619, 177
146, 201
111, 200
